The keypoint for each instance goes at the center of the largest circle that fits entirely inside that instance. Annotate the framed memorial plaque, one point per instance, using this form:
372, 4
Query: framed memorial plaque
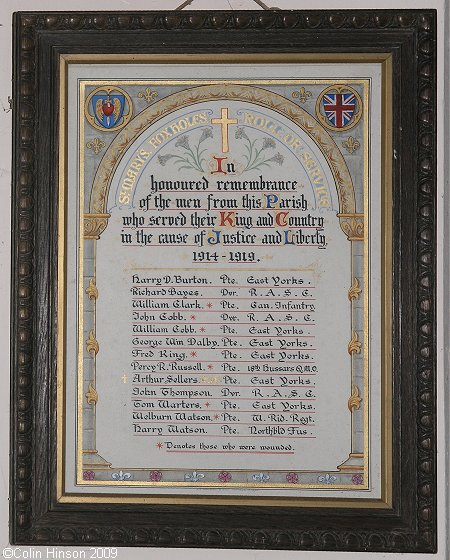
224, 280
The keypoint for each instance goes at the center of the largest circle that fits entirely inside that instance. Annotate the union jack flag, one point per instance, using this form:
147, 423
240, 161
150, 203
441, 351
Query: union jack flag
339, 108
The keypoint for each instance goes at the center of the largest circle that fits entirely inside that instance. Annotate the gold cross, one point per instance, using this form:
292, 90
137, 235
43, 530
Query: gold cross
224, 121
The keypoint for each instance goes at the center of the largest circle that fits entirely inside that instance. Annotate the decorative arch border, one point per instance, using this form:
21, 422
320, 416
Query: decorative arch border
96, 220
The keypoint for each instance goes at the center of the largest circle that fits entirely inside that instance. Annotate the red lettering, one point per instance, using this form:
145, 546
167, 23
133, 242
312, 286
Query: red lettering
219, 165
227, 218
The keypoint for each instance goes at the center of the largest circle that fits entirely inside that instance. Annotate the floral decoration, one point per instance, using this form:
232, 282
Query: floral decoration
224, 476
256, 157
327, 478
192, 158
155, 476
194, 476
357, 479
261, 477
292, 478
121, 476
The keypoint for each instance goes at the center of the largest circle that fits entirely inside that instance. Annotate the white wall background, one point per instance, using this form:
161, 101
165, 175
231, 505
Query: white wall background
7, 7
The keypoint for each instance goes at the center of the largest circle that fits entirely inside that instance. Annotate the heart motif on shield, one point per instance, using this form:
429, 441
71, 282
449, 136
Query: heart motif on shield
108, 108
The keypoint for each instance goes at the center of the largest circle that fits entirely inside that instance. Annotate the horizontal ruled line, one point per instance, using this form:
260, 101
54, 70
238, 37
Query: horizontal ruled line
165, 268
262, 210
218, 399
209, 227
234, 452
224, 286
220, 422
218, 245
262, 298
223, 373
224, 335
228, 410
235, 386
231, 348
234, 192
220, 362
229, 310
223, 436
170, 323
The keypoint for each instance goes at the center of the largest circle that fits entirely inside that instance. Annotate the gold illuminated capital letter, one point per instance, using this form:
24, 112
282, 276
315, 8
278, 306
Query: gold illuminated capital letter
224, 122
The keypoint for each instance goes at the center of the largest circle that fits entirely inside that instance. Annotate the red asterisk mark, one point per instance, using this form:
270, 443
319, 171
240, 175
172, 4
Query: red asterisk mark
202, 329
209, 305
210, 366
216, 416
193, 354
207, 404
193, 317
159, 445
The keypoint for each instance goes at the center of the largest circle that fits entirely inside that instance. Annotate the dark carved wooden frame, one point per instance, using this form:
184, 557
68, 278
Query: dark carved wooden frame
36, 517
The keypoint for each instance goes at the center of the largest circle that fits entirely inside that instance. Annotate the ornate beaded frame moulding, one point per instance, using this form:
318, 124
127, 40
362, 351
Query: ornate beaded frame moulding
404, 523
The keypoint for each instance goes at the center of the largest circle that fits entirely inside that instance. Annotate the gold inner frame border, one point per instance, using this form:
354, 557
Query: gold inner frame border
386, 259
